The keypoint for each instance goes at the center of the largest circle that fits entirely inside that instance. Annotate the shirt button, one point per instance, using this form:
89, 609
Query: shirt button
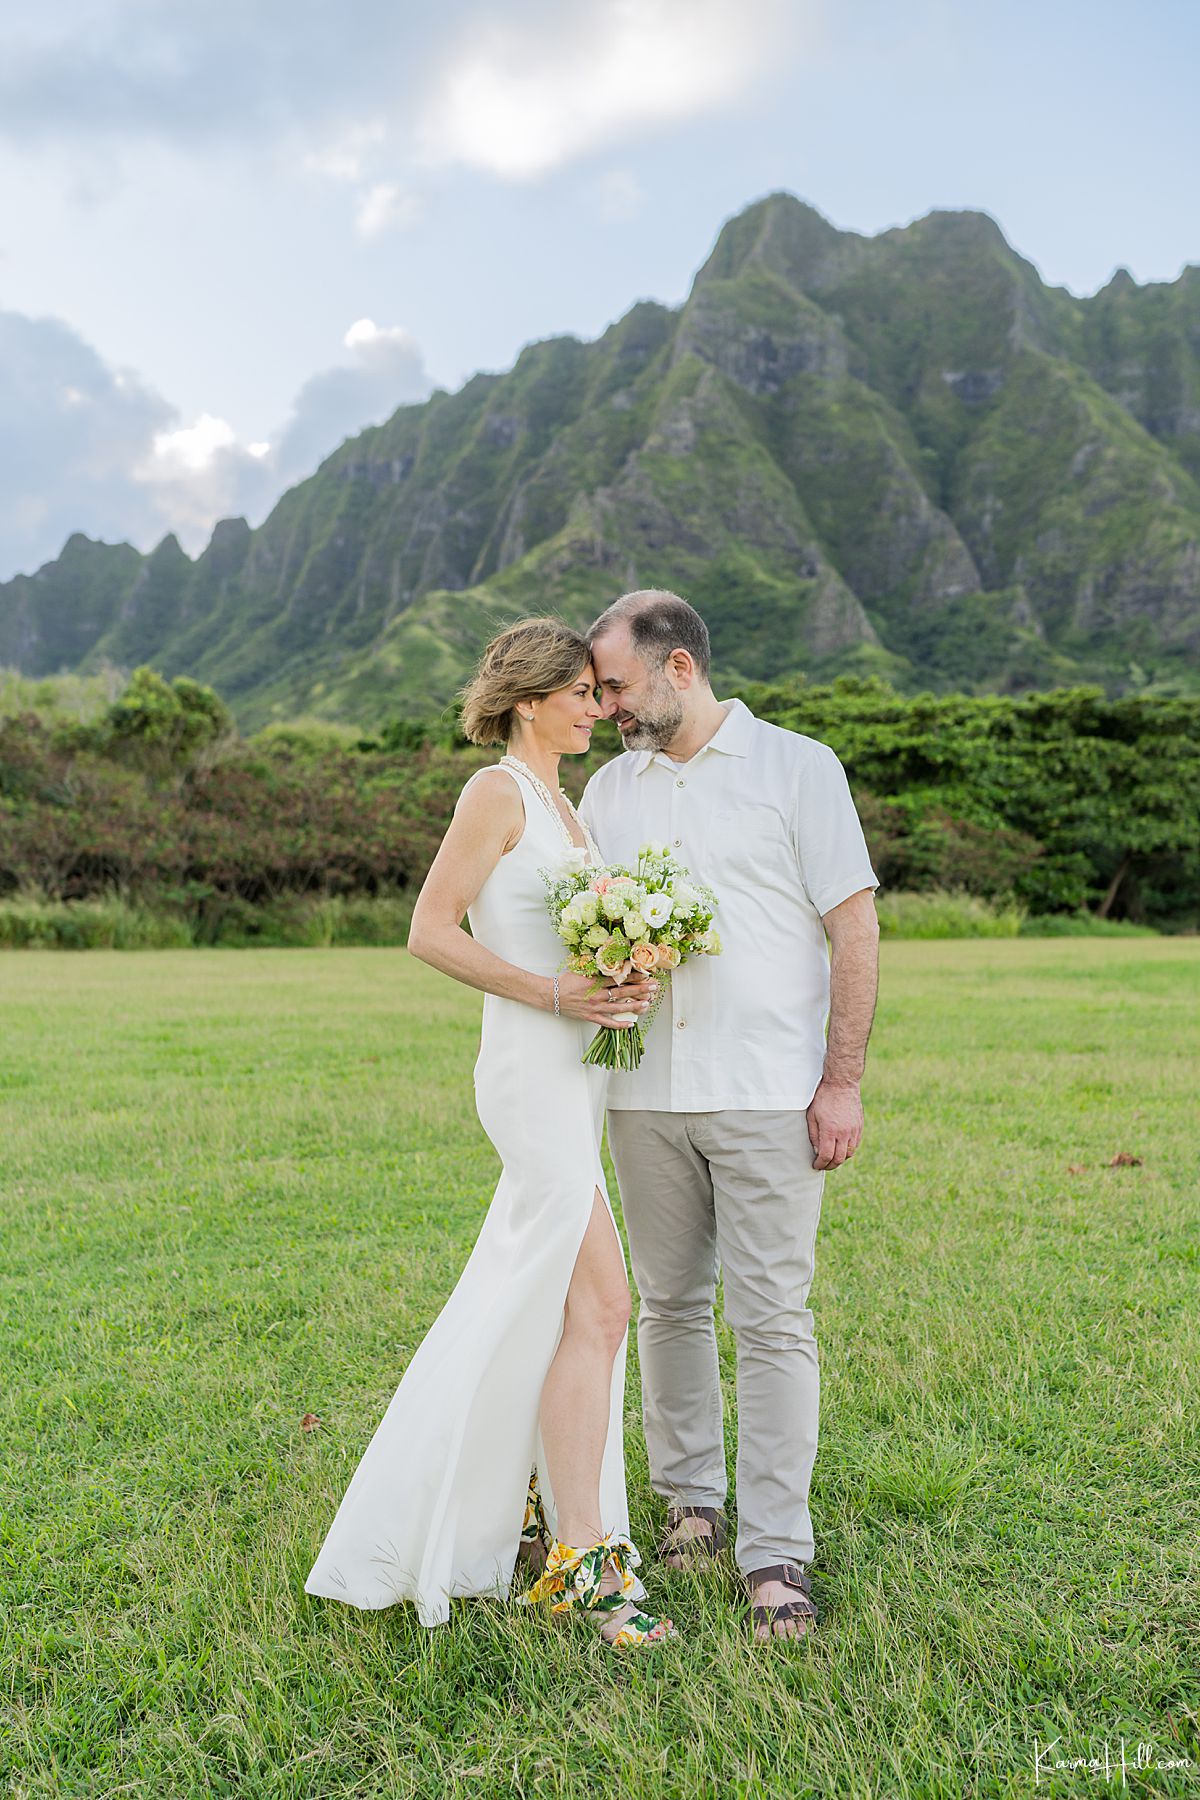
681, 782
678, 841
679, 1024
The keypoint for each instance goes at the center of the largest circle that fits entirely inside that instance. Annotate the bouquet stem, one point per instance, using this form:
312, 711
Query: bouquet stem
611, 1049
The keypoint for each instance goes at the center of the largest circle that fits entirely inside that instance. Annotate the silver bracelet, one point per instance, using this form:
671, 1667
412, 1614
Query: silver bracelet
557, 1014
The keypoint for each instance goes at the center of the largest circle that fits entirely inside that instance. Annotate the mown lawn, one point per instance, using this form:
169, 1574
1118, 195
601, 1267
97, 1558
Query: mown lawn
237, 1187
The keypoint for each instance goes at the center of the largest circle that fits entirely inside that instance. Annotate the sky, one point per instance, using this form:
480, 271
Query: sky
234, 234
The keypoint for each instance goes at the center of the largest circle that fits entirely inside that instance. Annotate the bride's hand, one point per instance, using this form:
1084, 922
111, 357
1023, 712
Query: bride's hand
580, 998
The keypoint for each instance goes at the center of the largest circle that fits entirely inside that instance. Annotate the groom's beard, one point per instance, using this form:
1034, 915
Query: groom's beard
659, 717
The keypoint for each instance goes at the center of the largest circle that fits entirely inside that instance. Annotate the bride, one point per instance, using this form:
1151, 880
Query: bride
525, 1365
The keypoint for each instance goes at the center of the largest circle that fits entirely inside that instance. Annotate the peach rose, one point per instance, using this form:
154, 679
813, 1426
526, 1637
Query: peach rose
644, 956
612, 962
666, 956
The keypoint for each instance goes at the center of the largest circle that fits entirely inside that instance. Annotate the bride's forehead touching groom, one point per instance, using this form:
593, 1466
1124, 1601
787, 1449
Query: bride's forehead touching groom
722, 1138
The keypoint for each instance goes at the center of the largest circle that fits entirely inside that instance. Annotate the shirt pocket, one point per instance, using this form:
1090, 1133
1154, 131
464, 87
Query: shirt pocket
753, 842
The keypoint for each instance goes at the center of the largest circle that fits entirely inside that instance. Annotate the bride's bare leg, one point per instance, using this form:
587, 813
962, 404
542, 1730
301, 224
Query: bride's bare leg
577, 1393
577, 1396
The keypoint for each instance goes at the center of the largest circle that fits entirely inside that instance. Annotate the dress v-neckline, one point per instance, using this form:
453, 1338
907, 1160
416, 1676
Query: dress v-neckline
551, 804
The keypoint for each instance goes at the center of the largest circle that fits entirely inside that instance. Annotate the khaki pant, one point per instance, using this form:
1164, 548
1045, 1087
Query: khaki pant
738, 1186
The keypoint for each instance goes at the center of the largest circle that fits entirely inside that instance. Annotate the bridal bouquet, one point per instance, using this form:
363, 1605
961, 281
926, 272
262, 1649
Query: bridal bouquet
615, 920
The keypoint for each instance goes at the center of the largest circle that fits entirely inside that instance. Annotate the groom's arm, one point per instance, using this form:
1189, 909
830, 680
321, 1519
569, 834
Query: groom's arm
835, 1113
835, 867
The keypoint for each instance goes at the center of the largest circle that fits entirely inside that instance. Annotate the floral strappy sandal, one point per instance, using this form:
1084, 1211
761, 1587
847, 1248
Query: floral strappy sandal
536, 1542
572, 1578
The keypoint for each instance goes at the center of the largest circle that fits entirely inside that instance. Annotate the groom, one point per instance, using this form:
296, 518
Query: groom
722, 1138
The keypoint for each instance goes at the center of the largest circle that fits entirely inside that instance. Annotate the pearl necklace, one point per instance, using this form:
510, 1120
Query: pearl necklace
540, 788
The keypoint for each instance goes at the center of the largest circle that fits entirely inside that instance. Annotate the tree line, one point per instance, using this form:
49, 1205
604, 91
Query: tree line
1064, 801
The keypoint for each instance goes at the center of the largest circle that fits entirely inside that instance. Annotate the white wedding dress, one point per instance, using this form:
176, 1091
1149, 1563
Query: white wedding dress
435, 1507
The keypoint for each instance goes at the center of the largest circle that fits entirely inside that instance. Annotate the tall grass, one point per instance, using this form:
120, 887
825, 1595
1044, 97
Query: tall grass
27, 921
303, 921
313, 921
946, 913
81, 698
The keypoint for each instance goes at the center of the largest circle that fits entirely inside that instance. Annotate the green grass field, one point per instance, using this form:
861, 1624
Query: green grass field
237, 1188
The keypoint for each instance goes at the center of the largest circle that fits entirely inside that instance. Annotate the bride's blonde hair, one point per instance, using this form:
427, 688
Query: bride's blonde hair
527, 661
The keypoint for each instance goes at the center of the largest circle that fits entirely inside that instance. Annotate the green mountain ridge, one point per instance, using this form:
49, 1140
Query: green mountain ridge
901, 454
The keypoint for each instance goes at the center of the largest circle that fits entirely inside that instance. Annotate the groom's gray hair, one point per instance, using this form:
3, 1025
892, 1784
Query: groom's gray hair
658, 622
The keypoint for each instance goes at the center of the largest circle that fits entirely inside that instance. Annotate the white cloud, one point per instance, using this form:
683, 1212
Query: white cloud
85, 447
386, 371
196, 474
367, 337
520, 97
190, 447
373, 97
383, 206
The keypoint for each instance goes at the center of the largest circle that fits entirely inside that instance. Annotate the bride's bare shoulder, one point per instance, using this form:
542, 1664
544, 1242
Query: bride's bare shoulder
490, 801
491, 786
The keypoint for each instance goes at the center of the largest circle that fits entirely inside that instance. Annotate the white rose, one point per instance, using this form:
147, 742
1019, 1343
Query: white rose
686, 898
572, 860
657, 910
635, 926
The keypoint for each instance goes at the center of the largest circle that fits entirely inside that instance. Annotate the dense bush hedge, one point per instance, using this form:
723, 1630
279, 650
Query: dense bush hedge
1060, 803
1064, 799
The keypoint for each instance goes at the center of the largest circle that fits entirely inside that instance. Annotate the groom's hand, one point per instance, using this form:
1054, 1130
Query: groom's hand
835, 1123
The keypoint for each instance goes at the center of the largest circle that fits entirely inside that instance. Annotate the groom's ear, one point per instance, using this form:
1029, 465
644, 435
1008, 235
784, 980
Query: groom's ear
682, 667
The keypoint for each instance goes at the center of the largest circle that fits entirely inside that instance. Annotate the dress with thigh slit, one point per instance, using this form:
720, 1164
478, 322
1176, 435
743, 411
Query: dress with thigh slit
436, 1505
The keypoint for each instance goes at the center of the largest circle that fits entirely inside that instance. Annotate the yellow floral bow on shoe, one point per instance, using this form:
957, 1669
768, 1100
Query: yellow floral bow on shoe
573, 1575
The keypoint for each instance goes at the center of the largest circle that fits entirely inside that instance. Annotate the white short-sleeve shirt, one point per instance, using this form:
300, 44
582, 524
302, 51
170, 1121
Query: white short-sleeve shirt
764, 817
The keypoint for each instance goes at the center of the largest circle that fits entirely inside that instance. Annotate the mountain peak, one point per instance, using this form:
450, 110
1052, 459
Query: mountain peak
965, 226
784, 233
842, 448
169, 549
228, 531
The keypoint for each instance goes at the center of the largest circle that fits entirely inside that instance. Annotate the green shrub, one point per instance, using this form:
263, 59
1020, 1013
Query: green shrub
1067, 799
1082, 924
946, 913
1068, 803
372, 919
29, 921
315, 921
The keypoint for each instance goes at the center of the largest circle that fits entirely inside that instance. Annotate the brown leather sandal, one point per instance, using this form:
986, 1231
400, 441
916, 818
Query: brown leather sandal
691, 1549
801, 1607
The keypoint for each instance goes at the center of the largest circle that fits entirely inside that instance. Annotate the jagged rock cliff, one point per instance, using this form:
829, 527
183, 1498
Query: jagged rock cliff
902, 453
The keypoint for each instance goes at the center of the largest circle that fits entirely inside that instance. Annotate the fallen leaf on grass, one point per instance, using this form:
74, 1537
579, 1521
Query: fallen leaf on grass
1123, 1160
1076, 1168
309, 1422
